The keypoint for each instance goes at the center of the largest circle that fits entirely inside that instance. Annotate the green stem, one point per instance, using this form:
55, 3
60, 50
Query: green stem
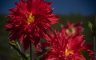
19, 47
93, 30
30, 51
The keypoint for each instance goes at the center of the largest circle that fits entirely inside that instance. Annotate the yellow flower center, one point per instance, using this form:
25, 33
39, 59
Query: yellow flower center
70, 31
30, 18
68, 52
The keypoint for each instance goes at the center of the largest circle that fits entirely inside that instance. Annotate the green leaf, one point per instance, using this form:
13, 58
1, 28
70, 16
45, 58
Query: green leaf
13, 45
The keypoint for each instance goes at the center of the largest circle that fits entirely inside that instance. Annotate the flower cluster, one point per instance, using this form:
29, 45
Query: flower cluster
31, 20
67, 44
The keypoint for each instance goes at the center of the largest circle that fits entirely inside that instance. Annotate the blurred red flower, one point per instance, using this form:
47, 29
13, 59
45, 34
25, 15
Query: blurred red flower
67, 44
29, 21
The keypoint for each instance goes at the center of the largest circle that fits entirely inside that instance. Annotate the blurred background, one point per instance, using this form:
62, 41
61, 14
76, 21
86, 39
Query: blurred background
69, 10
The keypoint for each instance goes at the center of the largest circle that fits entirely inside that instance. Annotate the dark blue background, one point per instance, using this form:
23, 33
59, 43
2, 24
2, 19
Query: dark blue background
65, 7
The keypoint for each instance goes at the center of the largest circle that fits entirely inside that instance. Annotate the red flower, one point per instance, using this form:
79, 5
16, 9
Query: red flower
67, 44
29, 21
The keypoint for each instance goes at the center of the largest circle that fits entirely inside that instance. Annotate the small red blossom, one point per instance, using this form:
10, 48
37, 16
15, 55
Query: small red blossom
29, 21
67, 44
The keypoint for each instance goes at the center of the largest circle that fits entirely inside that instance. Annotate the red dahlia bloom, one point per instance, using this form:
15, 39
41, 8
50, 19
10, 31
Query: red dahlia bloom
67, 44
29, 21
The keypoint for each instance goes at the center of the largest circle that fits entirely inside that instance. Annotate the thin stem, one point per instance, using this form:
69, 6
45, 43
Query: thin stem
94, 38
93, 28
30, 51
19, 47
